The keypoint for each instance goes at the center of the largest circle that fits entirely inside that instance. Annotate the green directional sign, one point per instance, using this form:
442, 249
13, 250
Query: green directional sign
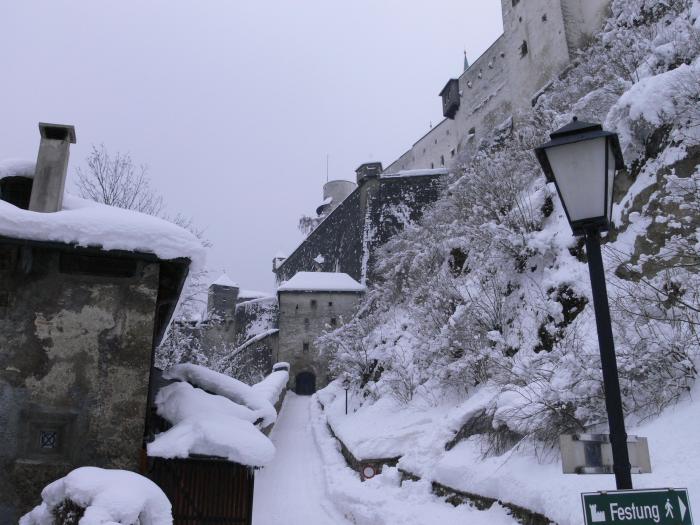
637, 507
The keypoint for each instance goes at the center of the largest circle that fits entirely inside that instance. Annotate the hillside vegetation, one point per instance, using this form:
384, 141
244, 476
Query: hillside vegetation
490, 291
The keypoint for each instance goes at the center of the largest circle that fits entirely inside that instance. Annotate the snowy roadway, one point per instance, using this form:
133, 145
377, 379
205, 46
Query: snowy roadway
292, 488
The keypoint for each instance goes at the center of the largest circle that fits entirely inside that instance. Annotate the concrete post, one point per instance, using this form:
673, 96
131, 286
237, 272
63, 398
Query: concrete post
51, 167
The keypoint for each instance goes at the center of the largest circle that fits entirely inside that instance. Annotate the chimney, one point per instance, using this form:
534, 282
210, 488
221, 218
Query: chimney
51, 167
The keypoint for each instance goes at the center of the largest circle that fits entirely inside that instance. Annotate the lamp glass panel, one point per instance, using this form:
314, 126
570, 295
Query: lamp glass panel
611, 180
579, 172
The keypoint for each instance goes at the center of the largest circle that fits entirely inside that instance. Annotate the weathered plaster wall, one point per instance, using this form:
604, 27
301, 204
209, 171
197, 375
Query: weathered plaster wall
301, 323
75, 359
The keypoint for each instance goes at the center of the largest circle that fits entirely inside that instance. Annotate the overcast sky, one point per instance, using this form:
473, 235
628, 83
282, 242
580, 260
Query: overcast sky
234, 105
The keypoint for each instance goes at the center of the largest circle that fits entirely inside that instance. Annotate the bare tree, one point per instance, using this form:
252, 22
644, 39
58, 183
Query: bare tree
116, 181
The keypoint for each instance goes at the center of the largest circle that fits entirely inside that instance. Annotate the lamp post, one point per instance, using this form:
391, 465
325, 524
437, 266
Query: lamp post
346, 387
581, 159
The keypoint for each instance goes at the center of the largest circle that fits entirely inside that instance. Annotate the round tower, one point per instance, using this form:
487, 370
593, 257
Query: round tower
334, 192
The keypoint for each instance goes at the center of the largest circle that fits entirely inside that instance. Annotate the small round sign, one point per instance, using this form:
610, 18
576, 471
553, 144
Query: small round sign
368, 472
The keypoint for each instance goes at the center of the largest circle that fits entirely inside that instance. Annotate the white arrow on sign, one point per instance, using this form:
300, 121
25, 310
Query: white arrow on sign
683, 508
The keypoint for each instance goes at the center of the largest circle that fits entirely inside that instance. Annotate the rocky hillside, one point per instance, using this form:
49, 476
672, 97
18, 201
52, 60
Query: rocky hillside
490, 291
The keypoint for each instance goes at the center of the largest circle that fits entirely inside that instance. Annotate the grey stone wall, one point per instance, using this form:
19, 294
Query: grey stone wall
253, 361
74, 368
255, 317
338, 239
303, 317
348, 237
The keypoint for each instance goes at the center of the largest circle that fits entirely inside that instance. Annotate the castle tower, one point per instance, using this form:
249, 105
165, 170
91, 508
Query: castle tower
222, 298
334, 192
542, 37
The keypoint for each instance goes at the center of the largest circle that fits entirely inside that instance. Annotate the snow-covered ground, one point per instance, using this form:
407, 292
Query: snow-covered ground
292, 488
528, 477
309, 482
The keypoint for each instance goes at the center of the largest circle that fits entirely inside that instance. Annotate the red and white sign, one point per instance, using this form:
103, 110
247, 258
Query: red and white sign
368, 472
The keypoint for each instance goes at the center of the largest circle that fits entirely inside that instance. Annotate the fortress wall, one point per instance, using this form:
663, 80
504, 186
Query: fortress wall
338, 239
486, 96
540, 25
438, 141
504, 79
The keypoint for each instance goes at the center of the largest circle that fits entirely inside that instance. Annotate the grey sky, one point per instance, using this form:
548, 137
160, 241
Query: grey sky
234, 105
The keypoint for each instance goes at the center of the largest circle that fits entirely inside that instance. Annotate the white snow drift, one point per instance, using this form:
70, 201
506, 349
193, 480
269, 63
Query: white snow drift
108, 496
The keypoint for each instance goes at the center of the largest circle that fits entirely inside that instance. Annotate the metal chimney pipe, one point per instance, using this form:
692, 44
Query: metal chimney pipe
51, 167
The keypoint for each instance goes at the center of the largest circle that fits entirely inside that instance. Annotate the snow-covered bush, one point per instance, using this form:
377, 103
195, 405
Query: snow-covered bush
491, 288
93, 496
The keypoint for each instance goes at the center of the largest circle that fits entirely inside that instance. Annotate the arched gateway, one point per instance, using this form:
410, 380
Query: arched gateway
305, 383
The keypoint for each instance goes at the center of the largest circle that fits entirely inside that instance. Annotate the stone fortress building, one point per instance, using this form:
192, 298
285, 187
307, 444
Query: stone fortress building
539, 40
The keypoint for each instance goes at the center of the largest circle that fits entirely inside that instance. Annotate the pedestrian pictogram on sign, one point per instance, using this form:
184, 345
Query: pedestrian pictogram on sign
637, 507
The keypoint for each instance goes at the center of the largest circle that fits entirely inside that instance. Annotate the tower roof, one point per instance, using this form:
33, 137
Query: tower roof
321, 282
225, 280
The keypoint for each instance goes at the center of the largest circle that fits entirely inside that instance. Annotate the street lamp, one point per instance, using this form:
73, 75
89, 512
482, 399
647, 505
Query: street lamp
581, 160
346, 387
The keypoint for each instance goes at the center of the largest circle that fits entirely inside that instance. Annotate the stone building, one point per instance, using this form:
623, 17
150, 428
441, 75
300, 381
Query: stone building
311, 303
540, 38
83, 302
238, 333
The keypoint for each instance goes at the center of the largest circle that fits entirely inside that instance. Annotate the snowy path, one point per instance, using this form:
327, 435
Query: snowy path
292, 488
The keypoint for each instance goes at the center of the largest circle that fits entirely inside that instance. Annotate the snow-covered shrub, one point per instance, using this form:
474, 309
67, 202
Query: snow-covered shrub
491, 288
93, 496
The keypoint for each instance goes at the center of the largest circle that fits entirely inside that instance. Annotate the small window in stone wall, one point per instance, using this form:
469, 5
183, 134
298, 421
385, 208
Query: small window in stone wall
47, 436
442, 160
305, 347
314, 304
515, 2
544, 17
523, 49
48, 439
334, 321
330, 303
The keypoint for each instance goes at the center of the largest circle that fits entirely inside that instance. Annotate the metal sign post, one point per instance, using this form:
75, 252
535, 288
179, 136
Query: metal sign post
637, 507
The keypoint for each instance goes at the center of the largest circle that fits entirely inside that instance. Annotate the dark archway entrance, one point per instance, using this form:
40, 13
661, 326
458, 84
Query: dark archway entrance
305, 383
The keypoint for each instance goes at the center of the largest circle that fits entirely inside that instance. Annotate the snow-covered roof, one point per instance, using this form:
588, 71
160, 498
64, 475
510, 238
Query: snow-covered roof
90, 224
226, 386
17, 168
210, 425
321, 282
218, 418
225, 280
252, 294
415, 173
